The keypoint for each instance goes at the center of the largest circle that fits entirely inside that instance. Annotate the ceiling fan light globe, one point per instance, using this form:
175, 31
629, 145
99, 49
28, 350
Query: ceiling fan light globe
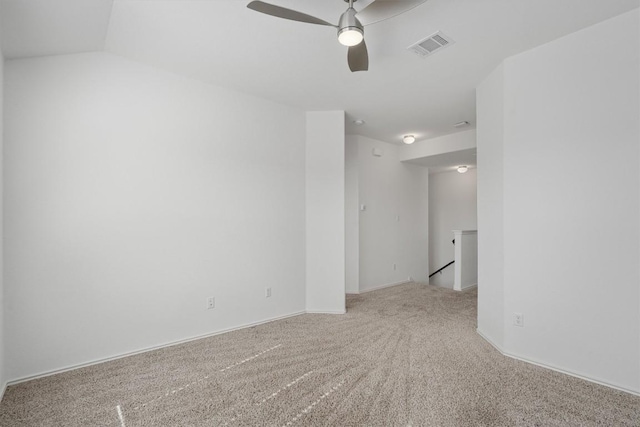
350, 36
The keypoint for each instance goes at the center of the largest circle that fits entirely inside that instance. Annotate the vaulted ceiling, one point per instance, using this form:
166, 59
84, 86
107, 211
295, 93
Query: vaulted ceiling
224, 43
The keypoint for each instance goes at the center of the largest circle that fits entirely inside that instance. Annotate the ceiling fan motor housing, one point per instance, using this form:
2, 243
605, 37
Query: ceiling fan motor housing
349, 25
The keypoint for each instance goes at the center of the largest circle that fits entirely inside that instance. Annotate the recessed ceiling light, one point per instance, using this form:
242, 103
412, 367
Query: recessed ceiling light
408, 139
463, 169
461, 124
359, 122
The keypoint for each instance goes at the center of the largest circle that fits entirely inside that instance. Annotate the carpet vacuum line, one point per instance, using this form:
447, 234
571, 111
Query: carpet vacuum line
291, 384
310, 407
206, 377
121, 416
271, 396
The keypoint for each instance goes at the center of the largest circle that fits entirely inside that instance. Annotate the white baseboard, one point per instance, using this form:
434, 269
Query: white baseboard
147, 349
326, 311
554, 368
475, 285
487, 339
388, 285
4, 388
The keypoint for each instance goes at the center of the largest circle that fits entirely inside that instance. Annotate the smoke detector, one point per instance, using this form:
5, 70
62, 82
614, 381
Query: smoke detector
431, 44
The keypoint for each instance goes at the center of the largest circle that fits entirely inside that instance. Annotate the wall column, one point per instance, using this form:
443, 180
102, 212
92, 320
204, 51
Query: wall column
325, 227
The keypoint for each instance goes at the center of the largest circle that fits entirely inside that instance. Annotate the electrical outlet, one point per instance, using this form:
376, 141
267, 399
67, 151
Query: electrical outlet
211, 303
518, 319
267, 292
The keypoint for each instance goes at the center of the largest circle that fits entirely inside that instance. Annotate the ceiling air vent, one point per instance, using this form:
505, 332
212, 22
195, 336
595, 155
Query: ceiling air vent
431, 44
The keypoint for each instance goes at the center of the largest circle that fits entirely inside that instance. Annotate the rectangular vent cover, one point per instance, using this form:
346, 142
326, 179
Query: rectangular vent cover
431, 44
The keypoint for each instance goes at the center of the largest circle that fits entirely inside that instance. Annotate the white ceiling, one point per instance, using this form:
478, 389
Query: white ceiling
41, 27
224, 43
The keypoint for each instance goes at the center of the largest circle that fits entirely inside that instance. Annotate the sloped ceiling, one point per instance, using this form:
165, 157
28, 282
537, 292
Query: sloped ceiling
224, 43
53, 27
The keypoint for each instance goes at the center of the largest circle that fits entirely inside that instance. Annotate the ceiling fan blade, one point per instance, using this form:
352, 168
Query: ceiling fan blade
282, 12
380, 10
358, 57
361, 4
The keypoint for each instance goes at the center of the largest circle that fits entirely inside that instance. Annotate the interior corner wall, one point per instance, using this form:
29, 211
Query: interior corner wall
325, 211
352, 214
490, 140
452, 206
3, 377
394, 227
571, 202
131, 196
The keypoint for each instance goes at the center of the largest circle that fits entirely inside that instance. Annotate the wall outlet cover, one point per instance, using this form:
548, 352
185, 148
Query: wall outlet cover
518, 319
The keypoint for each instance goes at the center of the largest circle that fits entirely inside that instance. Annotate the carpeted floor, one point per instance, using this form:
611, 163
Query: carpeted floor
402, 356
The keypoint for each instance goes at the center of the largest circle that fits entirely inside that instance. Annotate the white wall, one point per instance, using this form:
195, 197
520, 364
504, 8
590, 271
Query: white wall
131, 195
325, 212
3, 377
391, 189
352, 218
458, 141
466, 266
571, 123
490, 139
452, 206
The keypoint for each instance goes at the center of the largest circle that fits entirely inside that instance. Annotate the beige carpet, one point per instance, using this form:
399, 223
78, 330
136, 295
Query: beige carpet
402, 356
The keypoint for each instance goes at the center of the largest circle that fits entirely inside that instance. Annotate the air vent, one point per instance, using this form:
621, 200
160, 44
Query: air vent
431, 44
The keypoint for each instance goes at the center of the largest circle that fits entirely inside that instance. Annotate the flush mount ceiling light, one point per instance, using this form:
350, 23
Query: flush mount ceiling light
359, 122
462, 169
408, 139
461, 124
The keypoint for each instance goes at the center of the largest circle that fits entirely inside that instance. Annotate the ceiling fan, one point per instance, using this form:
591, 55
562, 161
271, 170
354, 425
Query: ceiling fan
351, 24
